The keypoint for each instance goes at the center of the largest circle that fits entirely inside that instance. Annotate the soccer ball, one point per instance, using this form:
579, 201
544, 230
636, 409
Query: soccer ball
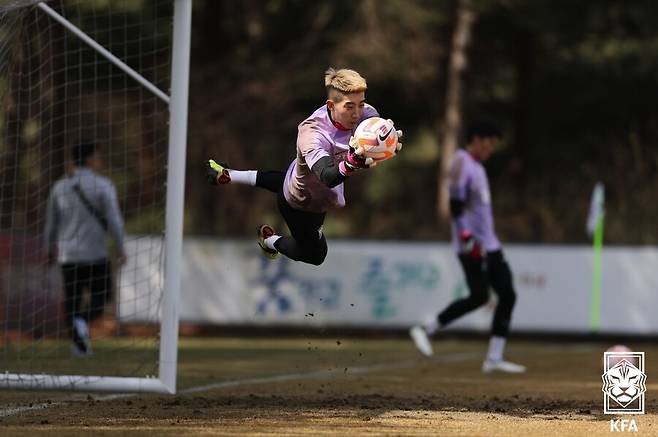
619, 348
376, 138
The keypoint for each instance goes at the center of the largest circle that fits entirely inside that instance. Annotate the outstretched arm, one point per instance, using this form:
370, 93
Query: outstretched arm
115, 220
458, 188
332, 174
457, 213
328, 172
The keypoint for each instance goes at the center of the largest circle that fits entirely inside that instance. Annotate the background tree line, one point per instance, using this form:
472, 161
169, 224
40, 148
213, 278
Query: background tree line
572, 85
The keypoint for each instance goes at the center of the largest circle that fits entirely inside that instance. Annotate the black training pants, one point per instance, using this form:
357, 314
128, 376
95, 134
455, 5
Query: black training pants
480, 274
306, 243
96, 278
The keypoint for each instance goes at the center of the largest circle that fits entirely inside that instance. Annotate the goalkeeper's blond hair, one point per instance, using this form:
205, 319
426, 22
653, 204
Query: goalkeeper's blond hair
343, 81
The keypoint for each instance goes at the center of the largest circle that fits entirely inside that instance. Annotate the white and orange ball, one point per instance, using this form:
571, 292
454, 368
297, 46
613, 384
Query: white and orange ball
618, 348
376, 138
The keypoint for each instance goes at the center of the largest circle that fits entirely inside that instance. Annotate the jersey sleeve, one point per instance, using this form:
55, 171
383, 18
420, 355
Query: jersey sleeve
328, 172
312, 145
459, 180
459, 185
113, 214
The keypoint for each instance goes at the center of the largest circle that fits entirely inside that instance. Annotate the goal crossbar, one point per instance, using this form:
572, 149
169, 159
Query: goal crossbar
104, 52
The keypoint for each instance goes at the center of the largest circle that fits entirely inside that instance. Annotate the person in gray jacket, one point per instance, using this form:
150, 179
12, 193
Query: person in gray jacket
82, 208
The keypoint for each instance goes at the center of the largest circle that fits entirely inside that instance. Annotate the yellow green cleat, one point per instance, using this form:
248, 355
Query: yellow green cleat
266, 231
217, 173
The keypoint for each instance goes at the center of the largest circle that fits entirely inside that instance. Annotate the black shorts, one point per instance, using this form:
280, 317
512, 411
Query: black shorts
94, 277
304, 225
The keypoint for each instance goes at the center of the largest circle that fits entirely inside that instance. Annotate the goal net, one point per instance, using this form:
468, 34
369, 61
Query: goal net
101, 72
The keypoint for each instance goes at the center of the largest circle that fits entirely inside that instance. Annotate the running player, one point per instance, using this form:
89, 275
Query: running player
478, 249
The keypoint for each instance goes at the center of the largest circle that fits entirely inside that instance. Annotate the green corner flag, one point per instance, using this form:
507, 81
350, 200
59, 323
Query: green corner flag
595, 220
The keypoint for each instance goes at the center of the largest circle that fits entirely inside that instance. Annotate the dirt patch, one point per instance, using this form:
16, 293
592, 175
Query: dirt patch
420, 397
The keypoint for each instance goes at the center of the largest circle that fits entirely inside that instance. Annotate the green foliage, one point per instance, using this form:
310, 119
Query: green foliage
149, 221
572, 86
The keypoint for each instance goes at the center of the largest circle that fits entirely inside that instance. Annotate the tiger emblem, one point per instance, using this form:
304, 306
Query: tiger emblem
624, 383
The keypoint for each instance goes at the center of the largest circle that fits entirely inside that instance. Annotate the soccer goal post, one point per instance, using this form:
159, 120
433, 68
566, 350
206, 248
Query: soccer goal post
115, 74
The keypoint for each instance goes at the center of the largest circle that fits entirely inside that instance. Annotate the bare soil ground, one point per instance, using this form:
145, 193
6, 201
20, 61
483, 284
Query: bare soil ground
340, 387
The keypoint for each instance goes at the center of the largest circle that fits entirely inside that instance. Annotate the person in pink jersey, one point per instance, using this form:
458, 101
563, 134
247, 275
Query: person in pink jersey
478, 249
313, 183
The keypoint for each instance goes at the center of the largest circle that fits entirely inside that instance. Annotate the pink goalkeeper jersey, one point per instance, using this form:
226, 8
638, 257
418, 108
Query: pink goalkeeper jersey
469, 183
318, 137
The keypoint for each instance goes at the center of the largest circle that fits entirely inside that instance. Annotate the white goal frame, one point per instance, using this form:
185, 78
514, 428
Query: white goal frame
165, 382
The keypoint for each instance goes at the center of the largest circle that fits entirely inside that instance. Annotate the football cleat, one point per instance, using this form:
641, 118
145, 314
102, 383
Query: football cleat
217, 173
81, 345
421, 340
264, 232
502, 366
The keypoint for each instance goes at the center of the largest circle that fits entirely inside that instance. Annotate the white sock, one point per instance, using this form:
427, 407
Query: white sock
496, 348
431, 326
269, 241
246, 177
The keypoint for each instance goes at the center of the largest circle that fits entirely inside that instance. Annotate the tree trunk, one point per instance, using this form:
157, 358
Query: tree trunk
16, 111
452, 117
525, 67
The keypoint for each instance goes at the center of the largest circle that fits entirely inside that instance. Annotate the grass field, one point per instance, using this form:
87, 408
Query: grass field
345, 386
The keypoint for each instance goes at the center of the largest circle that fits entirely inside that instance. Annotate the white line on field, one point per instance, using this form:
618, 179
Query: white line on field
447, 358
17, 410
463, 356
44, 405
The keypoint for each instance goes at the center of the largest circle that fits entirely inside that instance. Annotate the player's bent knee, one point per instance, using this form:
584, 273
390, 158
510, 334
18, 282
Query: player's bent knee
317, 257
477, 301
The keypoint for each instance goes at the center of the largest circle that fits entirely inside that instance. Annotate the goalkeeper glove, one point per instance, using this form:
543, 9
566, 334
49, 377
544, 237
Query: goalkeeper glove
216, 173
354, 160
355, 155
470, 246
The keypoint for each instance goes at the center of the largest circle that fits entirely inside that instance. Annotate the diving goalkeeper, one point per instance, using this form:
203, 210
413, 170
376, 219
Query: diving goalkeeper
313, 183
